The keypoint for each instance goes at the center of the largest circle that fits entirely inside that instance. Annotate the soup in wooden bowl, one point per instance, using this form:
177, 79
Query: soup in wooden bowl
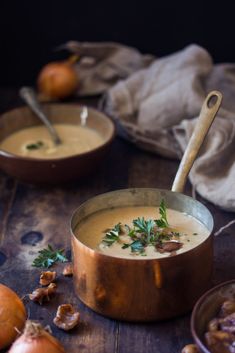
28, 153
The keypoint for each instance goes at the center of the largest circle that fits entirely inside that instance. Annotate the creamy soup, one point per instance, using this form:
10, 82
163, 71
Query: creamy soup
36, 141
182, 233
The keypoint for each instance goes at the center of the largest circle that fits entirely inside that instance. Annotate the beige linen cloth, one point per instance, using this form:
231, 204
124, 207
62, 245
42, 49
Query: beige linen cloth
156, 103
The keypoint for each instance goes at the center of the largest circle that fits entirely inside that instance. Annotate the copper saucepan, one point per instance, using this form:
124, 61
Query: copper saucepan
151, 289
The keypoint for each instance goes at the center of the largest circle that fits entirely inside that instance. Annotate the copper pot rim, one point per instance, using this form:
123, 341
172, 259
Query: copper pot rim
196, 307
13, 156
94, 252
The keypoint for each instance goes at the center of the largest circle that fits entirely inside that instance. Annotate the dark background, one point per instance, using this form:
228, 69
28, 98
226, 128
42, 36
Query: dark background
31, 30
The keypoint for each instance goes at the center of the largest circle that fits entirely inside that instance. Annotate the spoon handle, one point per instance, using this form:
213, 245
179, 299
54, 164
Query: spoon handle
29, 97
208, 112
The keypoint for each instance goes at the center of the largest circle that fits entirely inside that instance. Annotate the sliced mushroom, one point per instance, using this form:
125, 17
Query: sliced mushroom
123, 229
169, 246
43, 294
68, 270
66, 317
47, 277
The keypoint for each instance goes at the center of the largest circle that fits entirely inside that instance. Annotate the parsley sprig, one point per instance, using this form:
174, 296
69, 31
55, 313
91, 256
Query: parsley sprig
144, 226
47, 257
35, 146
136, 246
143, 233
162, 222
113, 235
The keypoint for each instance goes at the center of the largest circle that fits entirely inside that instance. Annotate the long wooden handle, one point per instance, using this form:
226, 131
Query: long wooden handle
208, 112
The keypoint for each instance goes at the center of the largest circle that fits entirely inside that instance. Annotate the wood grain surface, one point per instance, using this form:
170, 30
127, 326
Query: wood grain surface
33, 216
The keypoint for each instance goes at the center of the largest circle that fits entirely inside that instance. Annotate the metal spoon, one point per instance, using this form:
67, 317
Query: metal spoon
29, 97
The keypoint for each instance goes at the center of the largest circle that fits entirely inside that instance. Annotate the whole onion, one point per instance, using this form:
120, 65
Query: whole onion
12, 316
36, 340
58, 79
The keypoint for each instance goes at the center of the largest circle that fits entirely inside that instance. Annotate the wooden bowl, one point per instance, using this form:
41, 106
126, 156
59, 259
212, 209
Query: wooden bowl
142, 289
207, 308
57, 170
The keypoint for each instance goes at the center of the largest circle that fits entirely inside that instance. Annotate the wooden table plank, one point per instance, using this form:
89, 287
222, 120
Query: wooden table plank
33, 216
7, 193
163, 337
40, 216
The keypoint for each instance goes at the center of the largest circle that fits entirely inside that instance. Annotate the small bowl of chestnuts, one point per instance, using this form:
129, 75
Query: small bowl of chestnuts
213, 321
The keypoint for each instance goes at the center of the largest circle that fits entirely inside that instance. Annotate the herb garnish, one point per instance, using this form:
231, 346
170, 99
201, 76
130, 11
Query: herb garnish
48, 257
112, 235
144, 226
162, 222
35, 146
137, 246
143, 233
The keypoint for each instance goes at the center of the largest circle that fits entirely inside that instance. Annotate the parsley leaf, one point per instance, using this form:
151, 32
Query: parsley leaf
136, 246
162, 222
144, 226
47, 257
112, 235
34, 146
125, 246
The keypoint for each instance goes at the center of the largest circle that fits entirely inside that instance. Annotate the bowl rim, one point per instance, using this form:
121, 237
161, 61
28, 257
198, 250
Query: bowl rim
94, 252
200, 301
11, 156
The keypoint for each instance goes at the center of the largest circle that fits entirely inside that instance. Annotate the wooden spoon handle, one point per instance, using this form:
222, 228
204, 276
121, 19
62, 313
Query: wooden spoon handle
208, 112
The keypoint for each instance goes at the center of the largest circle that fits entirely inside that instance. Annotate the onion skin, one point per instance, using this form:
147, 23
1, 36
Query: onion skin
12, 316
57, 80
36, 340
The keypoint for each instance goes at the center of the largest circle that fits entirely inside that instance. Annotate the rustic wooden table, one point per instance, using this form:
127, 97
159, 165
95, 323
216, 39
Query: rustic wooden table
33, 216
